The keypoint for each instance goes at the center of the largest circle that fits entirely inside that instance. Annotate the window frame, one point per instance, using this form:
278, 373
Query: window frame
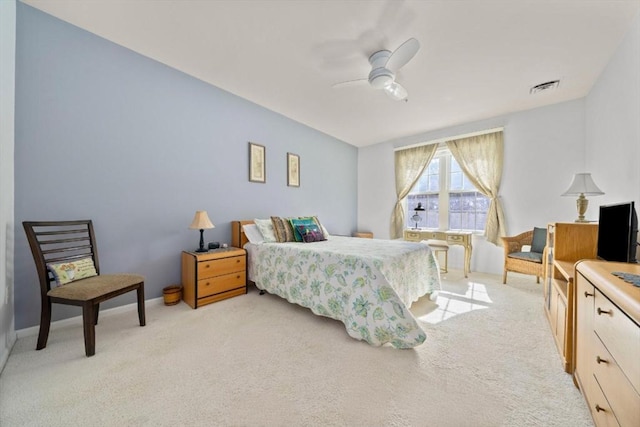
444, 156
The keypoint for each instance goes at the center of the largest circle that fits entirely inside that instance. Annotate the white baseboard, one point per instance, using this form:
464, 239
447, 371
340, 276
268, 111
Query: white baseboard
77, 320
5, 350
7, 339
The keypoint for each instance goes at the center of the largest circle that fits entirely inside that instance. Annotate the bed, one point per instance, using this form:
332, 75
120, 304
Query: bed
367, 284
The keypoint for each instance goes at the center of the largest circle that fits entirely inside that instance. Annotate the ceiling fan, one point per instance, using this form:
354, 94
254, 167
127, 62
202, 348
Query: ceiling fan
384, 65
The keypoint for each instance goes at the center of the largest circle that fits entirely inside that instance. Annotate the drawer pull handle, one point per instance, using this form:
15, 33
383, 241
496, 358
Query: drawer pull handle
587, 294
601, 360
601, 311
600, 408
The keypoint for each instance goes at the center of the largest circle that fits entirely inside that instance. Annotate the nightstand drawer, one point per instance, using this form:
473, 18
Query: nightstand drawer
218, 284
218, 267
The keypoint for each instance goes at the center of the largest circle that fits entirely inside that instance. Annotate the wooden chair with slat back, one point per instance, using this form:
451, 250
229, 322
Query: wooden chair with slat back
70, 241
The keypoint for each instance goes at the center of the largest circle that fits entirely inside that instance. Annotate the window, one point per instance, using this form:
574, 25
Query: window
450, 200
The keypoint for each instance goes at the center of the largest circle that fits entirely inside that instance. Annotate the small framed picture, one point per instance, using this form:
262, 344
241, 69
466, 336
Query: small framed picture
293, 170
257, 163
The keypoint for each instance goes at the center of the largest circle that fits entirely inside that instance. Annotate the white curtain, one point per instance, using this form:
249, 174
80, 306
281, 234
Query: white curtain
481, 158
409, 165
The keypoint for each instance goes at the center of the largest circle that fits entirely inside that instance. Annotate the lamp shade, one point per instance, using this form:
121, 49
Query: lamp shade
201, 221
583, 184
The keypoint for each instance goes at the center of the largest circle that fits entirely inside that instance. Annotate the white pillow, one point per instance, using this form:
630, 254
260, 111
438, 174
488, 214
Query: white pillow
266, 228
253, 234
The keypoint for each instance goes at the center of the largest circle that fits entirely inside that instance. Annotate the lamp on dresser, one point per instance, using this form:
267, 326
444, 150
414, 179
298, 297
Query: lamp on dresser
201, 222
581, 186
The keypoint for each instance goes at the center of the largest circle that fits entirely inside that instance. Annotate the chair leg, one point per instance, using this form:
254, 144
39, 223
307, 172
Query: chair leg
96, 309
504, 277
141, 313
538, 279
88, 317
45, 323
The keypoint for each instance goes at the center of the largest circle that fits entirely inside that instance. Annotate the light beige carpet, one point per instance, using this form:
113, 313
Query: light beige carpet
489, 360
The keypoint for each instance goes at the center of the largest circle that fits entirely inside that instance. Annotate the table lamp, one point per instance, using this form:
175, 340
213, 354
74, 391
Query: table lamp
200, 222
416, 216
582, 185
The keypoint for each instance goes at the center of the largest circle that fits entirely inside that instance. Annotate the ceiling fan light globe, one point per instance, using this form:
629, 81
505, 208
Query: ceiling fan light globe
396, 91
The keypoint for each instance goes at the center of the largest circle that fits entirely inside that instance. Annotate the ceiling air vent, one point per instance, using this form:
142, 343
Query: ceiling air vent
544, 86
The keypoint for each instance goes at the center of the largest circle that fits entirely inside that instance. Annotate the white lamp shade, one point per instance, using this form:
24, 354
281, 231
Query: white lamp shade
583, 184
201, 221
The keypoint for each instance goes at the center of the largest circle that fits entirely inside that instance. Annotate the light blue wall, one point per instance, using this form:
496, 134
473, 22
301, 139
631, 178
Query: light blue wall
107, 134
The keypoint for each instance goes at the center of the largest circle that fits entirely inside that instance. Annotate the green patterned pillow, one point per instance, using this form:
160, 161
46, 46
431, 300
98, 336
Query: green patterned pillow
325, 233
305, 221
310, 233
70, 271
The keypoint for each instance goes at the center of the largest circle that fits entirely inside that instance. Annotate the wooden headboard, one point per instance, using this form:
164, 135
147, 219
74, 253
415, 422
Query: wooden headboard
238, 238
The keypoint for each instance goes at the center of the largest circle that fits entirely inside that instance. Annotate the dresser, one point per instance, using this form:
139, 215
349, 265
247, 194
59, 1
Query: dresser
567, 242
607, 342
213, 276
460, 238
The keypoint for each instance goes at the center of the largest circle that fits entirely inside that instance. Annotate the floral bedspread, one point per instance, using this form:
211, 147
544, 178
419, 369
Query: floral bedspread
367, 284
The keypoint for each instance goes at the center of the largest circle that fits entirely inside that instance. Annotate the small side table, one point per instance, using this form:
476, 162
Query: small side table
212, 276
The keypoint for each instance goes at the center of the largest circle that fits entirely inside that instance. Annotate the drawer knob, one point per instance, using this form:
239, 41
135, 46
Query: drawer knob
587, 294
601, 311
601, 360
600, 408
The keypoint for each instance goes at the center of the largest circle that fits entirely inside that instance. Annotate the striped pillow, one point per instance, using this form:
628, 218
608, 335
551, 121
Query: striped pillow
283, 230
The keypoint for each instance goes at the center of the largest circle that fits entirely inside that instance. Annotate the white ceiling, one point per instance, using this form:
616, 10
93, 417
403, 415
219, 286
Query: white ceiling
478, 58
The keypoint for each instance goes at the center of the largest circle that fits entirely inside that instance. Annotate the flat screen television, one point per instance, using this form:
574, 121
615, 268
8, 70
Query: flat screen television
618, 232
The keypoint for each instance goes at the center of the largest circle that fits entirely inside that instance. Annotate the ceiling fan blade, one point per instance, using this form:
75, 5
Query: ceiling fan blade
396, 91
403, 54
348, 83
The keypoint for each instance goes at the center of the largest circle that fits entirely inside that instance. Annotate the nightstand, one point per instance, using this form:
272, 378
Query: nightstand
212, 276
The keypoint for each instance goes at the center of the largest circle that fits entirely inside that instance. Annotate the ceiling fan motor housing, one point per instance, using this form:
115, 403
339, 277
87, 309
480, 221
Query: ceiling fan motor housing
379, 77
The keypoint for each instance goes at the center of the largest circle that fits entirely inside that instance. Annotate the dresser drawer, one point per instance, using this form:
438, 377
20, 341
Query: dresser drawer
600, 409
622, 398
412, 236
218, 284
620, 335
221, 266
455, 239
